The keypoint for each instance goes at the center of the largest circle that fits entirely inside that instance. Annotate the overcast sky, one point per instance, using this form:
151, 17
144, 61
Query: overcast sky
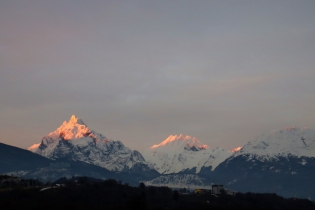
139, 71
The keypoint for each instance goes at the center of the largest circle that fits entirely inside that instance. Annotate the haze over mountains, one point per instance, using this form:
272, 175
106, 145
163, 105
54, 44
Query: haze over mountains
282, 161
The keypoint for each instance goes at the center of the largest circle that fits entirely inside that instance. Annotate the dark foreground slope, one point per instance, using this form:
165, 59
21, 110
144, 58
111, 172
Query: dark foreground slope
111, 195
16, 159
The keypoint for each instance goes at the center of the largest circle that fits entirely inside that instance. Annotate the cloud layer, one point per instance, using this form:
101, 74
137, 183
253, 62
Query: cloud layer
140, 71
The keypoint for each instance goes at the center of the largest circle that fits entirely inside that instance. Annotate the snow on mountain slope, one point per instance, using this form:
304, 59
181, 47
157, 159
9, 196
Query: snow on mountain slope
183, 153
74, 140
281, 161
291, 141
189, 181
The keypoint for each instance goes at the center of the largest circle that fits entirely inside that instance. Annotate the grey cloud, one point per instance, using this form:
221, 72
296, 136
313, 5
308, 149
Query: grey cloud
139, 71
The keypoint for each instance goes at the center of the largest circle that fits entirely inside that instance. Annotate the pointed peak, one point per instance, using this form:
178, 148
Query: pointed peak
75, 120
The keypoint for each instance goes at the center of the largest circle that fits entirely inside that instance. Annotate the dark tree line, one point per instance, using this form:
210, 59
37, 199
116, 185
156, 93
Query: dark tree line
90, 193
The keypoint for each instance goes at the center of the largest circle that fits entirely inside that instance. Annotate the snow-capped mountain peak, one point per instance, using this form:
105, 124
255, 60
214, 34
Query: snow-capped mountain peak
74, 140
179, 153
281, 161
291, 141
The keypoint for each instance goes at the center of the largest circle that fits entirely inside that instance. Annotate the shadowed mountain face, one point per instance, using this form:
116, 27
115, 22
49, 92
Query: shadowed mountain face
16, 159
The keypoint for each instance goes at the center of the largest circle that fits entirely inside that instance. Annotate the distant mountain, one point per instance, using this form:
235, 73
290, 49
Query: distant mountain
298, 142
73, 140
282, 161
184, 154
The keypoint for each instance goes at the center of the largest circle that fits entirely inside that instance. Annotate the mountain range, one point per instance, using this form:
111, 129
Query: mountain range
281, 161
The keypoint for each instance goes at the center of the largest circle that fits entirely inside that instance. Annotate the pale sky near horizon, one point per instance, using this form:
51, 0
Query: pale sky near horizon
139, 71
